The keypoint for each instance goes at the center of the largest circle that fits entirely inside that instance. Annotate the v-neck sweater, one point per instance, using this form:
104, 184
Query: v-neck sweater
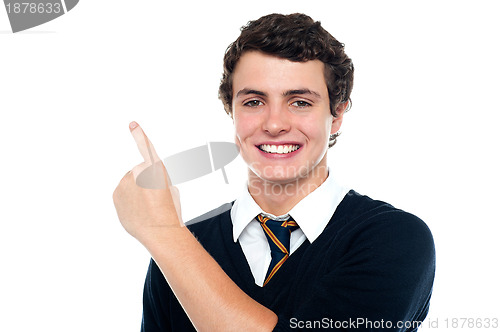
373, 266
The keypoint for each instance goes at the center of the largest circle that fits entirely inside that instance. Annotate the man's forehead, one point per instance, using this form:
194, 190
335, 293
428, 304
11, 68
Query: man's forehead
253, 57
262, 73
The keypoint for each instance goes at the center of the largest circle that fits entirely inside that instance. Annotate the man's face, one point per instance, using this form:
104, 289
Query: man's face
282, 118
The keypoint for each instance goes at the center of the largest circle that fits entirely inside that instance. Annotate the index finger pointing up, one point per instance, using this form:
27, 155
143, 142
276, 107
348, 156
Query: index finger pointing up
145, 146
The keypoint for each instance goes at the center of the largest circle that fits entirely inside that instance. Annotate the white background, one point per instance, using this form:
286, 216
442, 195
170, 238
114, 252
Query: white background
420, 135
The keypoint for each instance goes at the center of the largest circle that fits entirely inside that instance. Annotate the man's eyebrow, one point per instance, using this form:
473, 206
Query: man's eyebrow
250, 92
287, 93
301, 92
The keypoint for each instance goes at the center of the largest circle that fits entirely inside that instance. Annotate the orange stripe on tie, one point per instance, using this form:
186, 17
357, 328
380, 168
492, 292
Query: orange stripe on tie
275, 269
262, 219
274, 239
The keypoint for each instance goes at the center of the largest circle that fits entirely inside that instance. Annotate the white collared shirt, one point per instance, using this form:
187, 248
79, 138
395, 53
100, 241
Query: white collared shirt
312, 214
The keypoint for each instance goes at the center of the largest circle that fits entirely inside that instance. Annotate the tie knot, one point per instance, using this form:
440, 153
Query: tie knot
288, 223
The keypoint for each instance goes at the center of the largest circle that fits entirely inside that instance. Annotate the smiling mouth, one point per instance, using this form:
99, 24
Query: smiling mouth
279, 149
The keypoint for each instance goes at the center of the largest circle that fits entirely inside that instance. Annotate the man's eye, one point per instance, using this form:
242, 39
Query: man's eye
254, 103
301, 103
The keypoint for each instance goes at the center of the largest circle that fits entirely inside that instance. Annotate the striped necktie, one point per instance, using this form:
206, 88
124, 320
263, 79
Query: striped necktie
278, 235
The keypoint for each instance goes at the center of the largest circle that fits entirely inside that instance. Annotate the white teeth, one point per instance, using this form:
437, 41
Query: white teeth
281, 149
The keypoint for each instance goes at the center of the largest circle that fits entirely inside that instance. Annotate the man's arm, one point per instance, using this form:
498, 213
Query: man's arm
209, 297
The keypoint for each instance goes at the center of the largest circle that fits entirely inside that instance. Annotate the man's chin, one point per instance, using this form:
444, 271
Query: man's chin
281, 176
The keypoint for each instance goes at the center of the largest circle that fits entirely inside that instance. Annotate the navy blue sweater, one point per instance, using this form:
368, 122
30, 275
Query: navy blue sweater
372, 268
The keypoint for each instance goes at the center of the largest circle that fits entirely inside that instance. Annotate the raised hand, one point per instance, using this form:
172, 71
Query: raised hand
148, 208
146, 203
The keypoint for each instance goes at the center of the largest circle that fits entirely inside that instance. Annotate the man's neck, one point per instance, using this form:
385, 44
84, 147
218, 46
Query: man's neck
280, 198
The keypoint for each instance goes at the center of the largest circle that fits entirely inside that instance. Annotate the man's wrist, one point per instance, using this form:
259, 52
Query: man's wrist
164, 238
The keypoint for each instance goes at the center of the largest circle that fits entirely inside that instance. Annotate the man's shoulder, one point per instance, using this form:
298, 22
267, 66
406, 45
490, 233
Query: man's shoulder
355, 205
214, 231
209, 218
361, 213
358, 206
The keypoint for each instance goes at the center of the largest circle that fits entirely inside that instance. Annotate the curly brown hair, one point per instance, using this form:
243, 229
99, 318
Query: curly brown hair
296, 37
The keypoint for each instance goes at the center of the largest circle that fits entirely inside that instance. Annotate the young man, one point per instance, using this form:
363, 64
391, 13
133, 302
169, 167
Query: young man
296, 250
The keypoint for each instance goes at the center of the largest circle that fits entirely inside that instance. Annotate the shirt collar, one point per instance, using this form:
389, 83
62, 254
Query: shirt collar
311, 219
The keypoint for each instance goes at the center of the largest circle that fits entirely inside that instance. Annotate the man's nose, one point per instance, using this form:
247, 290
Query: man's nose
277, 120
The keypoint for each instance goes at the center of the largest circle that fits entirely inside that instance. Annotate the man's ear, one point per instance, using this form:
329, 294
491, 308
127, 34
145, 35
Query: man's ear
337, 121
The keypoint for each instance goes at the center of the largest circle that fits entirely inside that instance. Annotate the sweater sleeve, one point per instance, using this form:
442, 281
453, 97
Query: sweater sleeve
156, 292
382, 279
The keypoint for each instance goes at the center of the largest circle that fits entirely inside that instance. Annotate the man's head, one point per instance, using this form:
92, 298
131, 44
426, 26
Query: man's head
286, 85
295, 37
